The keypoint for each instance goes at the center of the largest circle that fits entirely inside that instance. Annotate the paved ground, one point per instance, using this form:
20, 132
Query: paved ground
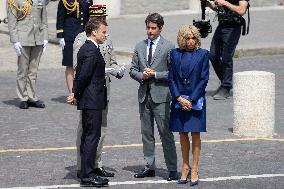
52, 129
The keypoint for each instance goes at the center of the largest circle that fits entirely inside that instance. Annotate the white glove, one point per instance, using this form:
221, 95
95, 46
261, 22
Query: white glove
45, 42
121, 71
18, 47
61, 43
109, 71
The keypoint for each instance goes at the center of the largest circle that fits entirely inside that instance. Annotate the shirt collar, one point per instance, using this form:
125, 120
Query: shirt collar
93, 42
155, 41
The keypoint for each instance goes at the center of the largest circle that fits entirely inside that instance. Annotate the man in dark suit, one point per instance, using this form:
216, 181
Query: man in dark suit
150, 68
98, 12
91, 97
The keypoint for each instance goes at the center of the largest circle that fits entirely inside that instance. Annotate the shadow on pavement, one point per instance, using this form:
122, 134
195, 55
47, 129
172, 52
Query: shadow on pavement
61, 99
109, 169
160, 172
209, 93
72, 174
14, 102
133, 168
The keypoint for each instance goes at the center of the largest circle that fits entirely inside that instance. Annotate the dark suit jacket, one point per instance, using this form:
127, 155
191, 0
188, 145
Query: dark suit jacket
89, 83
69, 25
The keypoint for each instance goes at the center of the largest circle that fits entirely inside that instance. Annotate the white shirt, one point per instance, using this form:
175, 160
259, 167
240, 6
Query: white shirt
154, 46
93, 42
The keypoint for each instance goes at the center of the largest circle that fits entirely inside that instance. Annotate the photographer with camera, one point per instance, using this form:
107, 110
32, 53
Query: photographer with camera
225, 40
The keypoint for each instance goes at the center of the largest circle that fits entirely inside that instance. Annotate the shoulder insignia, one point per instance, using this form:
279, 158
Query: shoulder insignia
71, 7
20, 13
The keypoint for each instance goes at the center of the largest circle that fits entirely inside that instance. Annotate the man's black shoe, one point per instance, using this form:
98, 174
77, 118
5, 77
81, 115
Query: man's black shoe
222, 94
103, 173
37, 104
95, 181
172, 176
24, 105
145, 173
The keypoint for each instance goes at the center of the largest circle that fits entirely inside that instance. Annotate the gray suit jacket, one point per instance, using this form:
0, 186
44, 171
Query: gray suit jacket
158, 86
106, 50
31, 30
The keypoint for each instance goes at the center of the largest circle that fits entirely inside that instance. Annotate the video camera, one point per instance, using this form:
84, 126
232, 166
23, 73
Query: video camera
225, 16
203, 25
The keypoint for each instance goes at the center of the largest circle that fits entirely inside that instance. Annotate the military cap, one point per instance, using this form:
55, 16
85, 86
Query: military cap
97, 10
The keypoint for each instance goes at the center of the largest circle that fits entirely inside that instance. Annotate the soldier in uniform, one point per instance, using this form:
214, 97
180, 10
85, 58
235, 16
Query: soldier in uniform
112, 68
29, 34
72, 16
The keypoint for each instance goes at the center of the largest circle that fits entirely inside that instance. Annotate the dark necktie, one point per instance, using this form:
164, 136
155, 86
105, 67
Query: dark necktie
150, 53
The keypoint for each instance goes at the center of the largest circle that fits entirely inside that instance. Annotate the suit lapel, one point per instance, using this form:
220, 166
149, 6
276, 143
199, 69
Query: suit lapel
178, 63
192, 64
157, 51
144, 52
194, 61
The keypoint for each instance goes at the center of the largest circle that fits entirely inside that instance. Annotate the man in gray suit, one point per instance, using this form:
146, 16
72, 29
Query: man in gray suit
28, 33
112, 68
150, 68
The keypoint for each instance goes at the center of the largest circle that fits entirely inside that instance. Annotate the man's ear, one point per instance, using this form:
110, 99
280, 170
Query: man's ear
94, 33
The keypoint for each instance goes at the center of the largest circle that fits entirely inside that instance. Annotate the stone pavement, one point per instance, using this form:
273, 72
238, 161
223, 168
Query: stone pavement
53, 131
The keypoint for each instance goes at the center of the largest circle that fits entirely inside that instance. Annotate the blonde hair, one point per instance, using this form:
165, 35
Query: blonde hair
183, 36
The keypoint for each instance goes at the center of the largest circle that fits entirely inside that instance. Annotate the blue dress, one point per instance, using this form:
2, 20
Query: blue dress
188, 75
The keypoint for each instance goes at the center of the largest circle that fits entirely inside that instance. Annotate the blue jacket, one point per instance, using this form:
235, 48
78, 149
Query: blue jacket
188, 73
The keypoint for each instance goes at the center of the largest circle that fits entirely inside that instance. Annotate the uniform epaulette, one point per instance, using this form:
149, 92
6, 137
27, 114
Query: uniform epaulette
71, 7
24, 10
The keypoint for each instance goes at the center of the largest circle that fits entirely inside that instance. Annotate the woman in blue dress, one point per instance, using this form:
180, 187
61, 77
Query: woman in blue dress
188, 78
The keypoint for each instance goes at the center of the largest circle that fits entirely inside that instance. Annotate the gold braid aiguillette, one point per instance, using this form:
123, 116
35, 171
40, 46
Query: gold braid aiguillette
27, 7
71, 7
